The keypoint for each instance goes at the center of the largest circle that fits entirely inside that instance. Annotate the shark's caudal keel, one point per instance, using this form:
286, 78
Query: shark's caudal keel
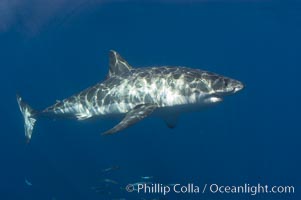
136, 93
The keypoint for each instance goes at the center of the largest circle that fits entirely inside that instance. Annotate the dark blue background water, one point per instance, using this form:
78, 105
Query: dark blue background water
252, 137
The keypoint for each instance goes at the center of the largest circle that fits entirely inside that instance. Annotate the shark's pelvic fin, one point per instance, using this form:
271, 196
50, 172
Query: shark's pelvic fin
117, 64
29, 117
132, 117
171, 120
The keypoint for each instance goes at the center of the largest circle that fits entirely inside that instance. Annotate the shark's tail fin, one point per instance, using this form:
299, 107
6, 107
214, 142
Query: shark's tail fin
29, 117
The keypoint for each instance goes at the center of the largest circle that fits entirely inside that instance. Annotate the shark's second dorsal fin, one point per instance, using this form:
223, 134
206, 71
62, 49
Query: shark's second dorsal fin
117, 64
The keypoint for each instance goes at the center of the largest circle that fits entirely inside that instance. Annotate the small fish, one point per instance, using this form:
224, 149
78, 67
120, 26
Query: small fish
97, 188
27, 182
147, 177
110, 181
110, 169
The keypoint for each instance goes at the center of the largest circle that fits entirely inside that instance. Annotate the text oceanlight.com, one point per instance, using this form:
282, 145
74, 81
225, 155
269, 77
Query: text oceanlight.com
191, 188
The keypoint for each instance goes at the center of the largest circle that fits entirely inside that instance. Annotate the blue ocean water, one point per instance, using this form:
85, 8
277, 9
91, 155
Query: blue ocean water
252, 137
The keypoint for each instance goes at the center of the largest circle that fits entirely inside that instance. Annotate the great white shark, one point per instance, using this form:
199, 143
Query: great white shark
136, 93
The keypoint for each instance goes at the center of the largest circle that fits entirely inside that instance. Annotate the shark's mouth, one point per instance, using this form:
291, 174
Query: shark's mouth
238, 88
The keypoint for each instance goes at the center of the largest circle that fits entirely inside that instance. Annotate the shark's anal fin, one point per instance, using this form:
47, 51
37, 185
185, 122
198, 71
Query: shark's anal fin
132, 117
171, 120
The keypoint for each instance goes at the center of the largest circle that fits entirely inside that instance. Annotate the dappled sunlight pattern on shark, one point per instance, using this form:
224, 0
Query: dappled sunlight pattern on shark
136, 93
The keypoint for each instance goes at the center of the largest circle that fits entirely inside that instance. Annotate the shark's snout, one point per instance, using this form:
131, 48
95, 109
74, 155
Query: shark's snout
238, 86
225, 86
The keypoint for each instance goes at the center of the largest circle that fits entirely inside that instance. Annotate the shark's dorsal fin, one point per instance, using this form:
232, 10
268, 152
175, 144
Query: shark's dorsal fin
117, 64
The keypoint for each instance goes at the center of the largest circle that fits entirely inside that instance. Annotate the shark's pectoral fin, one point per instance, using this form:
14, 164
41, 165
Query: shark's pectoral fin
132, 117
171, 120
